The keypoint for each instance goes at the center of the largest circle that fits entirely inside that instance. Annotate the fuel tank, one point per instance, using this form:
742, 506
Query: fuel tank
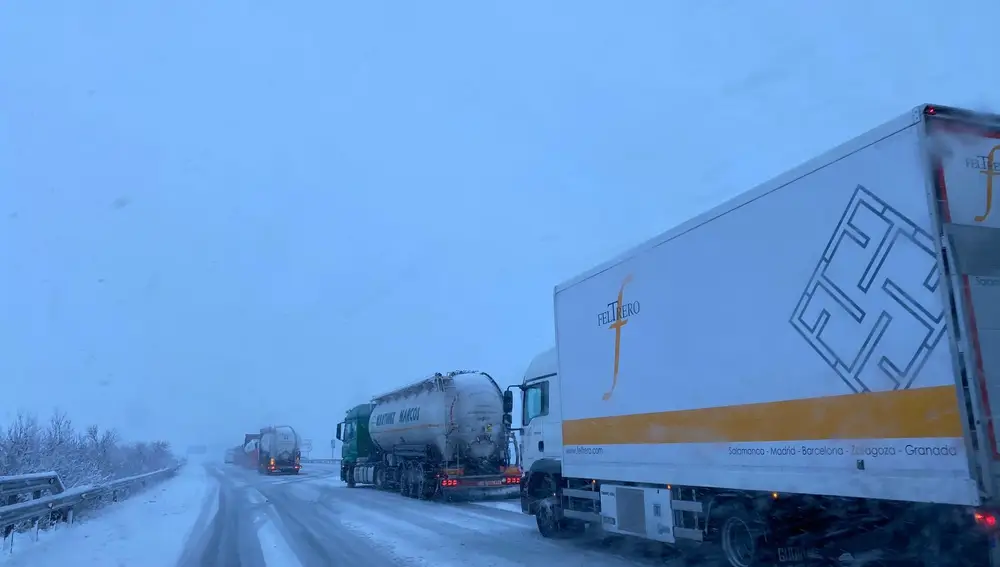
459, 414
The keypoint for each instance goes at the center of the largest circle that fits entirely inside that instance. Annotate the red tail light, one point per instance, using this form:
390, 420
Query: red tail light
986, 519
449, 482
513, 480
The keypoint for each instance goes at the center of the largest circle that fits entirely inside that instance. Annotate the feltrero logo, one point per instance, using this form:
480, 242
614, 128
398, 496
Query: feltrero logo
988, 166
616, 316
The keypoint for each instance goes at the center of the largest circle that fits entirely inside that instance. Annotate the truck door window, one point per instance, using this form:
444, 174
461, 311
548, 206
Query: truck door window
536, 402
349, 431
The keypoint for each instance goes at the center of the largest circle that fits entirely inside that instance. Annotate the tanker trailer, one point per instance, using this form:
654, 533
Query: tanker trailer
440, 434
279, 450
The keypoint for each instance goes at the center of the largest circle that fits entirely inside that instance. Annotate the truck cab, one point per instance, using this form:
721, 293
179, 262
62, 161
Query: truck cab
356, 443
541, 433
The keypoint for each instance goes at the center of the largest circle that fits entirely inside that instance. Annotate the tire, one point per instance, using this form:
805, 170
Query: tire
419, 482
740, 536
404, 481
350, 478
430, 490
545, 519
411, 478
379, 478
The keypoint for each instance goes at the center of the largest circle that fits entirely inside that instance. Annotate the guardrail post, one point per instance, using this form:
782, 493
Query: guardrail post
69, 515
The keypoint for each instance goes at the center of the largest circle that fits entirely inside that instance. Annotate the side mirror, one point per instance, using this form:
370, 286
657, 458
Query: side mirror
338, 431
508, 420
508, 402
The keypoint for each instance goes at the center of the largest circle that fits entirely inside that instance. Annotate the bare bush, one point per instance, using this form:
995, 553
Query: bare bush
88, 457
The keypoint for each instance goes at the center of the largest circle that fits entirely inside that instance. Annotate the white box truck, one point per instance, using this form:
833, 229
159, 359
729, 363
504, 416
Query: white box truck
806, 373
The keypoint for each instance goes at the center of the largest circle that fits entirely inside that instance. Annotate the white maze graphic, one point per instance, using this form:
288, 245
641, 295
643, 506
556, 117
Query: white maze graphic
879, 272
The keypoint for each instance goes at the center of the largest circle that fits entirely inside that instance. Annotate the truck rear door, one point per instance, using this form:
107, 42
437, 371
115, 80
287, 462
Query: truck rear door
965, 149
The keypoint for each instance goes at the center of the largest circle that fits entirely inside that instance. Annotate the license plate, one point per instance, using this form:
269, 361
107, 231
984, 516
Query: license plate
490, 483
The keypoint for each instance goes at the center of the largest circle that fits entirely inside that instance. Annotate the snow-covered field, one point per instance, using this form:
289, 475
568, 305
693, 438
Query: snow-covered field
149, 529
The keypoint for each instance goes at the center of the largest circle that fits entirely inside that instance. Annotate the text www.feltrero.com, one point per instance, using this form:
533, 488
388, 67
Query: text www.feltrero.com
581, 450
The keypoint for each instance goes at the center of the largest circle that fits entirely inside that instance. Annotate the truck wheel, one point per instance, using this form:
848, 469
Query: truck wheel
411, 483
430, 489
419, 482
379, 478
350, 478
404, 481
739, 536
547, 519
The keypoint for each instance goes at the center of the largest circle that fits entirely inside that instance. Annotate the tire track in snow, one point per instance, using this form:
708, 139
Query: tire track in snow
230, 539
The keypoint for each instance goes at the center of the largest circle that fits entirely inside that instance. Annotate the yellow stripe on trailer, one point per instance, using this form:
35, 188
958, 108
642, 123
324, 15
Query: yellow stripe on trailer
918, 413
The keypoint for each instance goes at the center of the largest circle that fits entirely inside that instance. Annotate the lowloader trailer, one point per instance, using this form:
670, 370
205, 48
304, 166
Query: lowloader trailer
439, 435
806, 374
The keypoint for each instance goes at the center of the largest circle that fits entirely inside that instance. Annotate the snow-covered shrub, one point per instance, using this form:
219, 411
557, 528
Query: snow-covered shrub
87, 457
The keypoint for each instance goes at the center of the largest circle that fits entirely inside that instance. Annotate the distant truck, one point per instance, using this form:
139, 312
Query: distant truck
279, 450
440, 434
806, 374
249, 455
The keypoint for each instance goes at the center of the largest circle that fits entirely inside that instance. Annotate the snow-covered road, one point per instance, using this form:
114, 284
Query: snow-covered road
314, 520
225, 516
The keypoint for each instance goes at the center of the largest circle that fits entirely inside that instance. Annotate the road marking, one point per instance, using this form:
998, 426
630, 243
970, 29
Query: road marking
274, 548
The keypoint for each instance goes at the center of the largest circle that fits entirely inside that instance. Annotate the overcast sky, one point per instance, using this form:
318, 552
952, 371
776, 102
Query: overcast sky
215, 215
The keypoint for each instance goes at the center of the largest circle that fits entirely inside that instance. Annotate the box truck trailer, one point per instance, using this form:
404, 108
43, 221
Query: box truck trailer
806, 373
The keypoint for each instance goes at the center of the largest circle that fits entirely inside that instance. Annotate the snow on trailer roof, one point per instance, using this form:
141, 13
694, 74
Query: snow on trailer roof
428, 382
870, 137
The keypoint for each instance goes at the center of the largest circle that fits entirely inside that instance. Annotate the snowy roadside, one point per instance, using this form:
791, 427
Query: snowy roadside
148, 529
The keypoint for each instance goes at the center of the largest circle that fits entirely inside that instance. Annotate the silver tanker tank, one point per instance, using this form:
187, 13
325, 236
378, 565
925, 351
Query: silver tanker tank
460, 414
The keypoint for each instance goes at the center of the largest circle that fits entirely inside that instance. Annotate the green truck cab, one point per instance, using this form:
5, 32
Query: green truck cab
356, 441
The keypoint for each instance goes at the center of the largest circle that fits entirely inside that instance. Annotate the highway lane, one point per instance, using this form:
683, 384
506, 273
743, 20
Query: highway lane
313, 520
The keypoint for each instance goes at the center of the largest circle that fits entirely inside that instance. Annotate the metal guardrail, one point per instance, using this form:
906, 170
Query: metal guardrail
59, 501
321, 461
25, 483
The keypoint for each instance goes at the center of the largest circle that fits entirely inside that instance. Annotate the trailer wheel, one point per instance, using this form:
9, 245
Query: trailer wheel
739, 536
404, 480
411, 481
419, 482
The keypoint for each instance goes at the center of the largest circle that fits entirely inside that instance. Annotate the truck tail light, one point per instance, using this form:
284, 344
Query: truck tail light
985, 519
